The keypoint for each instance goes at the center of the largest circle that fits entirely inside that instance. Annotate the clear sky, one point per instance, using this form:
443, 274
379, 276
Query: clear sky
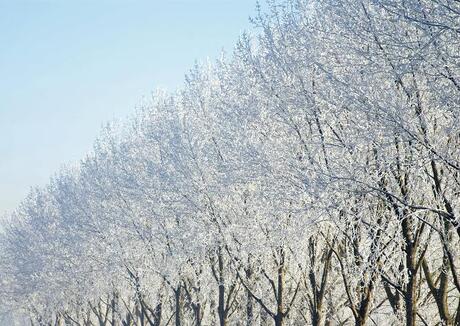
68, 66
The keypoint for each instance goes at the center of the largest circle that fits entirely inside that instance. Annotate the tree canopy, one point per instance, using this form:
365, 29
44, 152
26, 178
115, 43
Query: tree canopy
310, 178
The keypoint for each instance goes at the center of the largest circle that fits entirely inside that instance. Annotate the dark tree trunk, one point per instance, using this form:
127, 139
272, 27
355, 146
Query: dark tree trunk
410, 297
249, 302
221, 305
279, 317
157, 314
178, 304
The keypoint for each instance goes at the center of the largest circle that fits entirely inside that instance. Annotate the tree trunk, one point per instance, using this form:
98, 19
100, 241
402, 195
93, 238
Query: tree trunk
249, 303
178, 310
221, 306
157, 314
114, 309
279, 317
410, 296
197, 310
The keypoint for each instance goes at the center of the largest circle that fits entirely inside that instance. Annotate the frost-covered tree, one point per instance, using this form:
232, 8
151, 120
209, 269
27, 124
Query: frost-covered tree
311, 177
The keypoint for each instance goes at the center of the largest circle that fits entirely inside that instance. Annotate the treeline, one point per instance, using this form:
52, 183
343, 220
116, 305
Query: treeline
312, 178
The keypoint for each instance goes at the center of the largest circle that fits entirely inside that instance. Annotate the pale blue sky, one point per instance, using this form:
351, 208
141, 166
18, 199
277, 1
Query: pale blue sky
67, 66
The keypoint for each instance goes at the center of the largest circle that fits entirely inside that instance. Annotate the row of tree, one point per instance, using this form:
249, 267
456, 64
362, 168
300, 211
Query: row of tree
312, 178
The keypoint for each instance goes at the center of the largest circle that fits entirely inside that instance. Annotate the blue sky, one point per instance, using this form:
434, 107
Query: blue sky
68, 66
